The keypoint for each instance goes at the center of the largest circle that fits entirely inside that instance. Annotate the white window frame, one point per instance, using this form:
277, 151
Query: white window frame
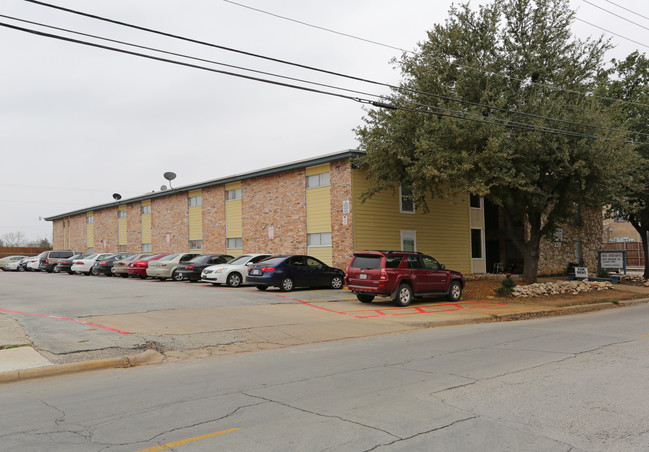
318, 180
234, 243
319, 239
90, 250
121, 248
233, 194
409, 235
90, 219
195, 201
121, 213
146, 248
145, 210
480, 201
401, 209
195, 245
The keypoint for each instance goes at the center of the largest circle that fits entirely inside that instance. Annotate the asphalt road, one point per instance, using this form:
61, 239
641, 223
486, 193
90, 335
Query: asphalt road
576, 383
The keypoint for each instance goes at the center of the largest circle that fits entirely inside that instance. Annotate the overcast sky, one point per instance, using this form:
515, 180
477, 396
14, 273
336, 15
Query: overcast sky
78, 124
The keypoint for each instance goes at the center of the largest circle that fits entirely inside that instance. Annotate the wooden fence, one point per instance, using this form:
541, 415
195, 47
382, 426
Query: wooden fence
634, 252
20, 251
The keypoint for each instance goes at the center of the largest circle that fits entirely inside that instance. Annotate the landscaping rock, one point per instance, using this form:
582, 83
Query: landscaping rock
560, 287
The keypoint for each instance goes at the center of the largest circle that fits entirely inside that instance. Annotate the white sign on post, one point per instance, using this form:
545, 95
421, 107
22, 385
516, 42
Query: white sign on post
581, 272
612, 260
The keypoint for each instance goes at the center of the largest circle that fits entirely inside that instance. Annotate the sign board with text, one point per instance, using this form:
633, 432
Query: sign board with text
615, 260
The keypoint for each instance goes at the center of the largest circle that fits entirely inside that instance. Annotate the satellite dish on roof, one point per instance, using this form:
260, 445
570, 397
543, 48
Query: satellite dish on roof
163, 187
169, 176
117, 196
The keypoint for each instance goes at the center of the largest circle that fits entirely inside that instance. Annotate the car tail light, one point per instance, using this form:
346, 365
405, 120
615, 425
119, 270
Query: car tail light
76, 263
63, 262
267, 269
47, 261
383, 275
190, 267
103, 262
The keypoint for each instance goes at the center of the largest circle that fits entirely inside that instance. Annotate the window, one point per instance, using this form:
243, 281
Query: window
195, 201
476, 243
414, 262
195, 244
318, 180
146, 210
430, 263
409, 240
313, 262
146, 248
121, 249
90, 219
90, 250
233, 195
234, 243
475, 201
407, 204
319, 239
121, 213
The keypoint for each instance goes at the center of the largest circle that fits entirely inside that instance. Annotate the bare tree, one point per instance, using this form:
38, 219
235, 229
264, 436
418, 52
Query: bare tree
13, 239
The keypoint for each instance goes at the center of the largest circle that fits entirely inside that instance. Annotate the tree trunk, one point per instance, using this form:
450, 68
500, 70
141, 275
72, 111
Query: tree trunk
639, 226
529, 248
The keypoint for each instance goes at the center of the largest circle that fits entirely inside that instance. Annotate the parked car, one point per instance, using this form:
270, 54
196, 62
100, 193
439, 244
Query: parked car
192, 270
22, 265
120, 267
234, 272
137, 267
401, 275
9, 259
51, 258
166, 267
105, 266
289, 272
84, 265
65, 265
12, 265
33, 265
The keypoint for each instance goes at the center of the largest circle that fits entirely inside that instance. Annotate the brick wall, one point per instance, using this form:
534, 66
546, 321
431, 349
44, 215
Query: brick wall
105, 227
341, 222
214, 220
170, 221
276, 201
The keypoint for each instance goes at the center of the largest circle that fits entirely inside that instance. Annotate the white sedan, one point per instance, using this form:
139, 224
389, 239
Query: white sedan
34, 262
83, 266
234, 272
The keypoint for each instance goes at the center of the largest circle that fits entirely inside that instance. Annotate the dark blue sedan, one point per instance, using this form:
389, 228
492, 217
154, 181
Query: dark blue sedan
289, 272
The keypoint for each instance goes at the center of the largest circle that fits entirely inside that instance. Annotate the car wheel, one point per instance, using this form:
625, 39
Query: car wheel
364, 298
455, 291
94, 271
124, 275
261, 287
21, 269
234, 279
162, 279
403, 296
337, 282
286, 285
216, 284
176, 276
143, 277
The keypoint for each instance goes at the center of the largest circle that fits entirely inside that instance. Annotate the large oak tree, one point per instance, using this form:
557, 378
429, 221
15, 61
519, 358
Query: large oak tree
475, 112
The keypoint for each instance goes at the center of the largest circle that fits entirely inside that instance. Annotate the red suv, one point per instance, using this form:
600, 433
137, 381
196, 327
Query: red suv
401, 275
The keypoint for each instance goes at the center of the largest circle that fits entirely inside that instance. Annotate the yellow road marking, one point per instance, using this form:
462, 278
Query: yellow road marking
186, 441
645, 335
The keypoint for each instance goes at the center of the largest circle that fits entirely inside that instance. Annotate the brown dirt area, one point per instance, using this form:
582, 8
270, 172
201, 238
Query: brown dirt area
483, 290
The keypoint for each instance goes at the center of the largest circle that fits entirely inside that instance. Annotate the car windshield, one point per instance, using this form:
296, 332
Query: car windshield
273, 261
130, 258
240, 260
92, 256
169, 257
367, 262
201, 259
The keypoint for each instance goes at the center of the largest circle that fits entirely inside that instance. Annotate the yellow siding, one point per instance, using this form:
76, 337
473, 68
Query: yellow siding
444, 232
122, 231
232, 186
324, 253
146, 224
193, 193
90, 232
234, 251
318, 209
233, 218
317, 169
196, 223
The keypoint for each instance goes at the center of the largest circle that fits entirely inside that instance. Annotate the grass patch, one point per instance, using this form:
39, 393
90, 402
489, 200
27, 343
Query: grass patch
7, 347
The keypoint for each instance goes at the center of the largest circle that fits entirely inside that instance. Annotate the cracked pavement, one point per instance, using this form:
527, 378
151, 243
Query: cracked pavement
574, 383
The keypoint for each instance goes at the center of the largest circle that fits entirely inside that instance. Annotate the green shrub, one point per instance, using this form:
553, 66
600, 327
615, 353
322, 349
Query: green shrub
571, 267
507, 287
602, 273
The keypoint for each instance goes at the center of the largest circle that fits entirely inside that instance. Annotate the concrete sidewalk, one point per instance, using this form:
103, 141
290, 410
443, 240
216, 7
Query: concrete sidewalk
174, 335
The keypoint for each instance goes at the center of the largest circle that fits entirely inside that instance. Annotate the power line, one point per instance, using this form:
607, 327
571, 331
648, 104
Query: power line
616, 15
457, 115
338, 74
627, 9
347, 35
619, 36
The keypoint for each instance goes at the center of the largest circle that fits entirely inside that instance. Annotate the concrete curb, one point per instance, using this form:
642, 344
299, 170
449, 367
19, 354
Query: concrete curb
146, 357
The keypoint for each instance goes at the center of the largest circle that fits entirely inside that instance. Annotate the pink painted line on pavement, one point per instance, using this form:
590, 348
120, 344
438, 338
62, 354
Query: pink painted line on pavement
66, 318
